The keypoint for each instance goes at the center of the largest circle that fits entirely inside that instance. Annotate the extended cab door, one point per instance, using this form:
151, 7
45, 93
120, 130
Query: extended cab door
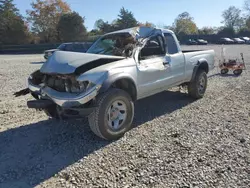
176, 58
153, 72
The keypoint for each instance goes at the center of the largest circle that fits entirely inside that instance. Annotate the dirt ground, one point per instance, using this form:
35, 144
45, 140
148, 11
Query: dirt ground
176, 142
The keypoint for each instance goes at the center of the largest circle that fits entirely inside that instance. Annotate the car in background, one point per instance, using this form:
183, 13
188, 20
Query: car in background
238, 41
191, 42
246, 39
225, 41
70, 46
201, 42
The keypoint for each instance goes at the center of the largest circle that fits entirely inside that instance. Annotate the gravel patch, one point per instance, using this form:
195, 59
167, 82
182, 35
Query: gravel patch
176, 142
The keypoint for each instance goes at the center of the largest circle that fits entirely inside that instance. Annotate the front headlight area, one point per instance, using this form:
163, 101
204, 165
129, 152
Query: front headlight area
36, 77
78, 86
68, 83
93, 79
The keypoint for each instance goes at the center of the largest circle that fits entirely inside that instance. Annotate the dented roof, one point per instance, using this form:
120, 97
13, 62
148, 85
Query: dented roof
141, 32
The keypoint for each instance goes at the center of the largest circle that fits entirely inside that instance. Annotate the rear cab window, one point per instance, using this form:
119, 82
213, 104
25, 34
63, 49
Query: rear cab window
171, 46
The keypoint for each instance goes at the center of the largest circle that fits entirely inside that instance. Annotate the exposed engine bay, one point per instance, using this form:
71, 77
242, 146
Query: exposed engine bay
61, 83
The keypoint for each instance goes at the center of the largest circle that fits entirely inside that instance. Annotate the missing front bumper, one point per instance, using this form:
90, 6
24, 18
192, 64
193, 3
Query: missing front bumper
73, 112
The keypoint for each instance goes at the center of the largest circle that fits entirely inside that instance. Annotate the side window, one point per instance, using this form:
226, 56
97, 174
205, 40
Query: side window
153, 47
78, 48
68, 47
171, 45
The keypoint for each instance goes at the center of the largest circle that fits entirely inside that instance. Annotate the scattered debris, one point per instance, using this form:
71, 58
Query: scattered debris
242, 140
4, 111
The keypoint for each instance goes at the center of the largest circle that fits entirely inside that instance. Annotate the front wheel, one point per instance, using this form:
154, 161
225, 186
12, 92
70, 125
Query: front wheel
113, 116
237, 72
224, 71
198, 86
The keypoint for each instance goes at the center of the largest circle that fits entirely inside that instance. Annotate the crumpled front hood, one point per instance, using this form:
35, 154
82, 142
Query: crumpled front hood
62, 62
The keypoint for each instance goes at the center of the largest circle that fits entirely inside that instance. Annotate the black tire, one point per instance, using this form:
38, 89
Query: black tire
224, 71
194, 87
237, 72
98, 120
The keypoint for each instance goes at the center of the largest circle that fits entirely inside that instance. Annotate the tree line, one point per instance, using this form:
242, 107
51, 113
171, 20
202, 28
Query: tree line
51, 21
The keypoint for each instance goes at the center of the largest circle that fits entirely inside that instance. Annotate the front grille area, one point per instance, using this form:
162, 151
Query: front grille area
65, 83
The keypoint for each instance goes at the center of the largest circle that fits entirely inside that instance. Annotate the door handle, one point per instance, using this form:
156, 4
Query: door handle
165, 63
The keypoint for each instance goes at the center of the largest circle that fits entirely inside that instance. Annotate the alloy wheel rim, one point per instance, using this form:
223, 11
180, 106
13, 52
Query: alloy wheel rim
117, 114
202, 84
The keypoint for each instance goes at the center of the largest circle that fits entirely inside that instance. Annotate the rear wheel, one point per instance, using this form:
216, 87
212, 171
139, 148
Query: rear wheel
237, 72
113, 116
224, 71
198, 86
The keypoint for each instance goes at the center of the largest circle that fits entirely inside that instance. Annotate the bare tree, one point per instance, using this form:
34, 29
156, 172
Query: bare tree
232, 18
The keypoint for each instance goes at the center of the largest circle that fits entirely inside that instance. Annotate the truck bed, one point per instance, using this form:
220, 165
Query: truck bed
193, 56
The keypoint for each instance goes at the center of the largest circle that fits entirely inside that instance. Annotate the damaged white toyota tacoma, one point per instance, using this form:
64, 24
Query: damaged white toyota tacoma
118, 69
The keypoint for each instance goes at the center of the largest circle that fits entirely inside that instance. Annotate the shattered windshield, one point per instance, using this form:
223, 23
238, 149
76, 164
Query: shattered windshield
114, 44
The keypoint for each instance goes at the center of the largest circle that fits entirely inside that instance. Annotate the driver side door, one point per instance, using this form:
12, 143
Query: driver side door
153, 70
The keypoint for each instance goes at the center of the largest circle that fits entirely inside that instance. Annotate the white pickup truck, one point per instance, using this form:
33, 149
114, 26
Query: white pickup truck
118, 69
